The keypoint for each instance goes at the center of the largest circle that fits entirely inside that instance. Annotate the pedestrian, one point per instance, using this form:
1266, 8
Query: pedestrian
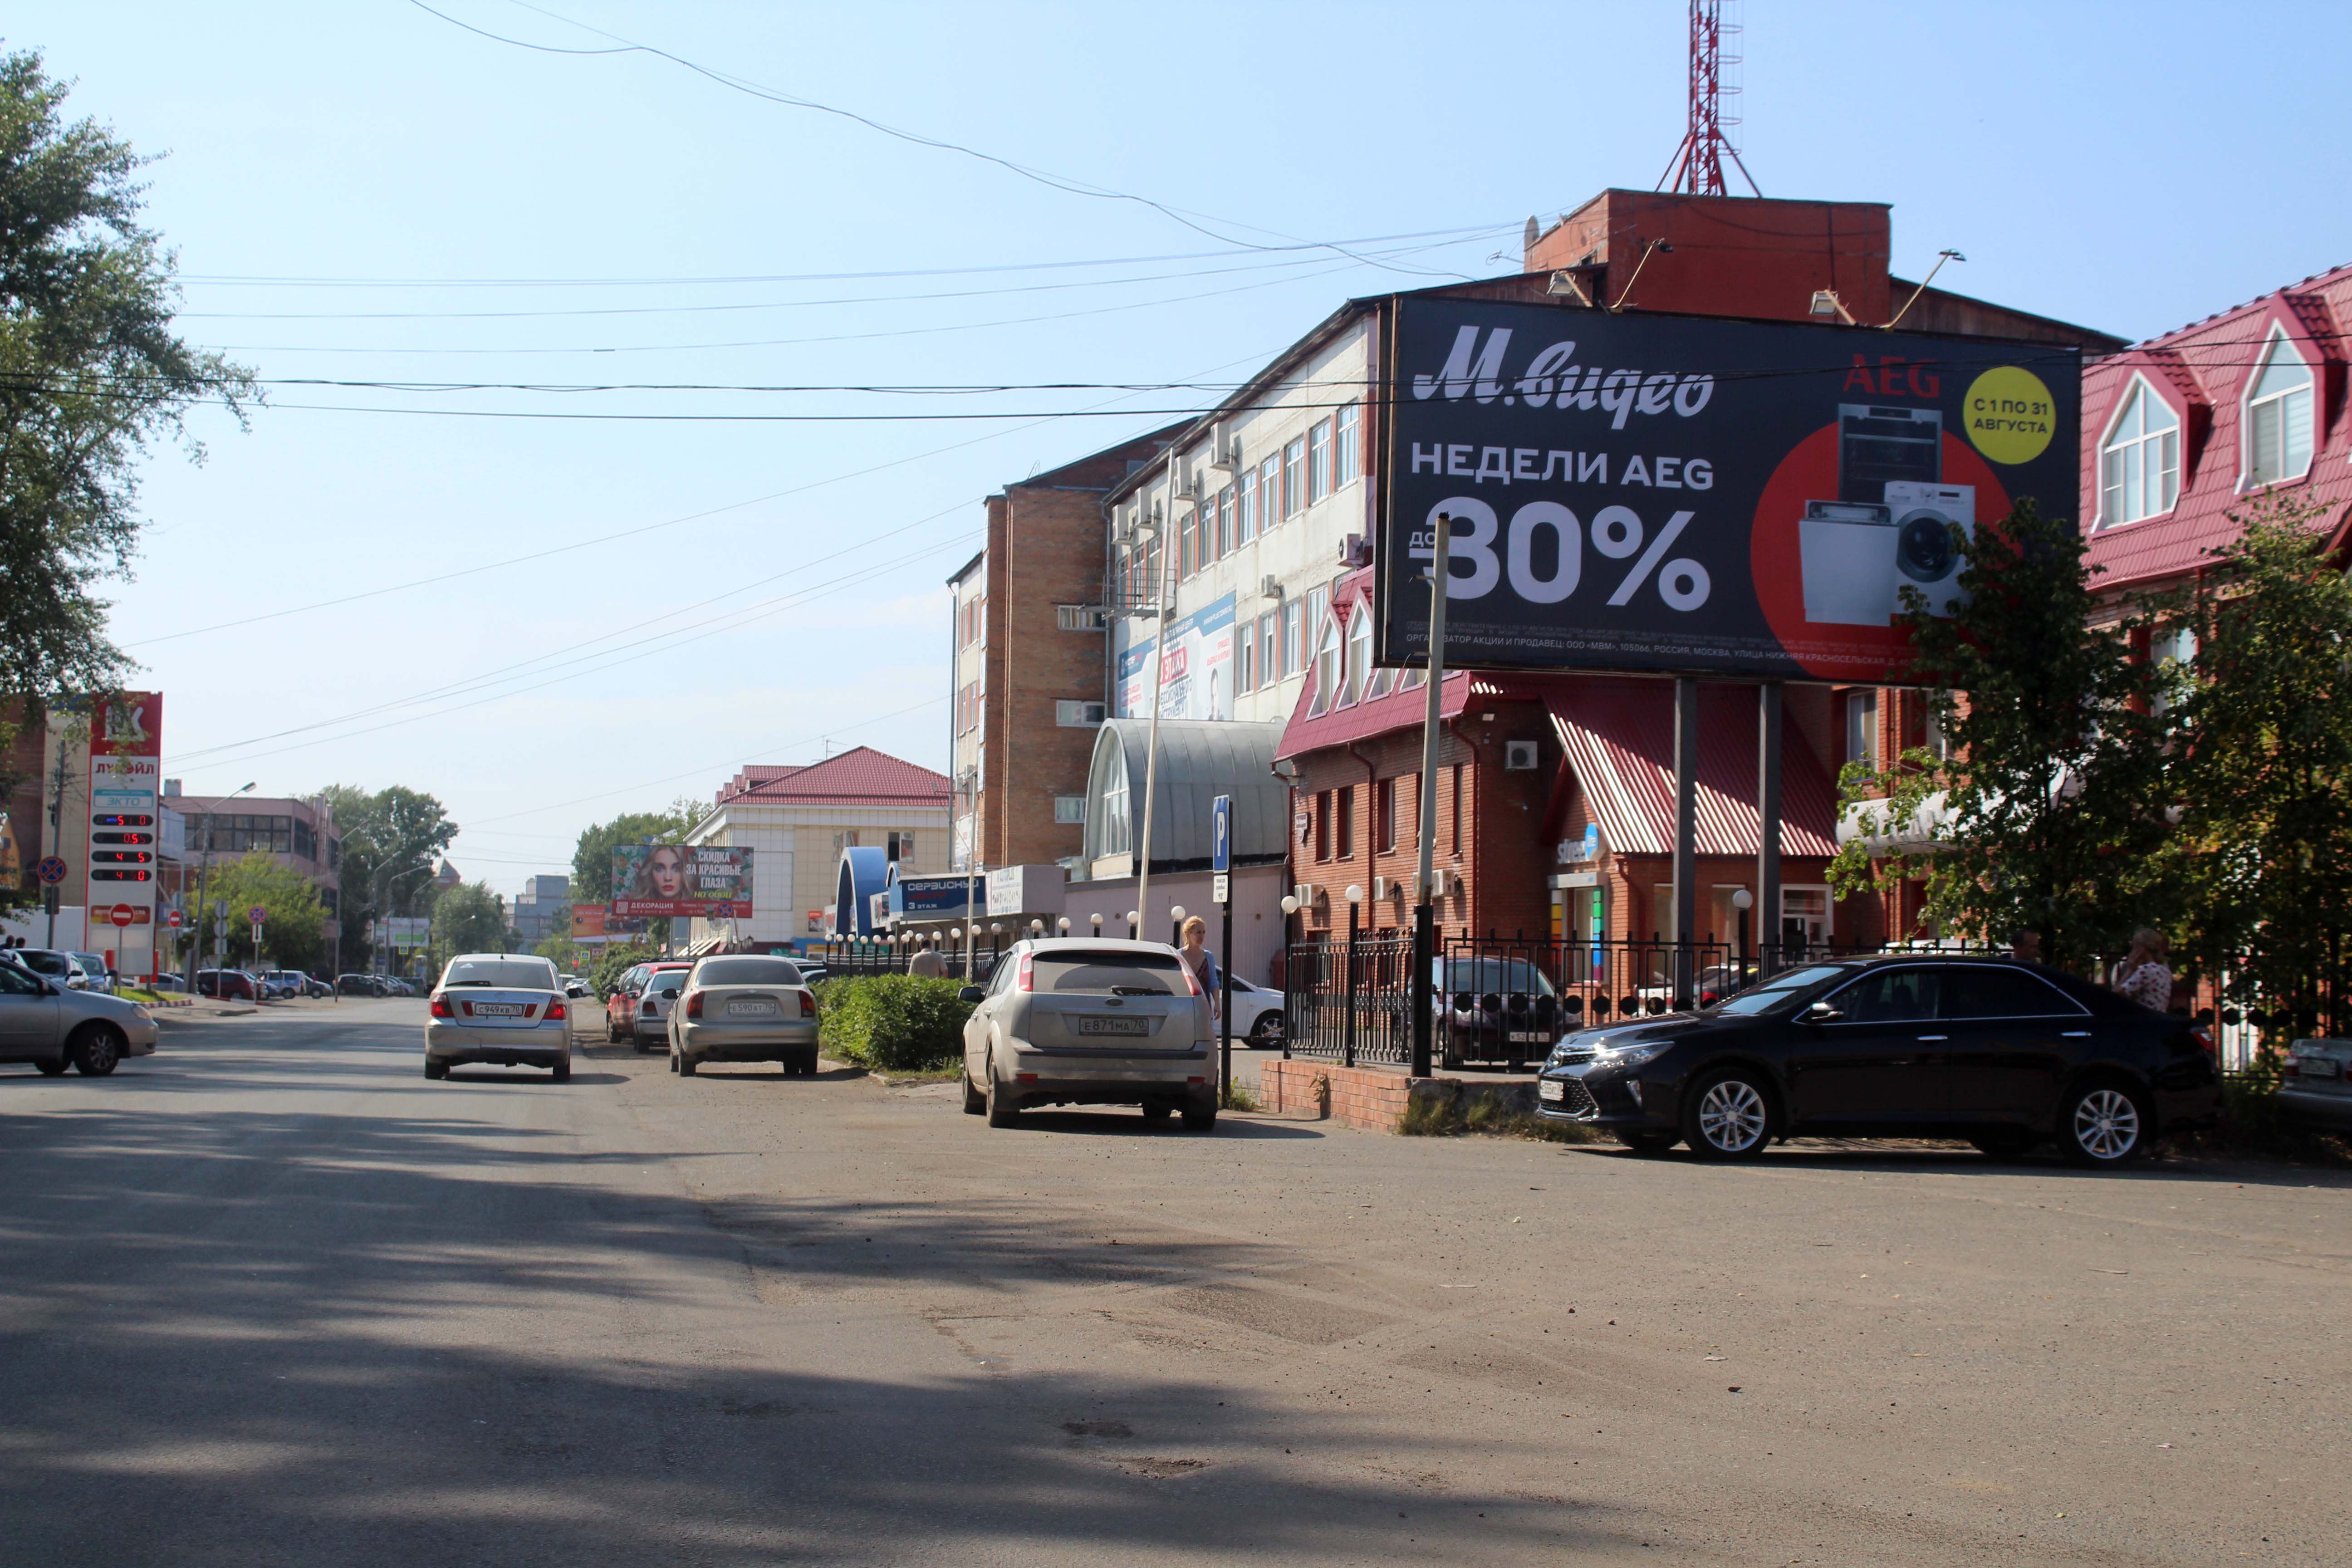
927, 963
2143, 975
1201, 962
2025, 946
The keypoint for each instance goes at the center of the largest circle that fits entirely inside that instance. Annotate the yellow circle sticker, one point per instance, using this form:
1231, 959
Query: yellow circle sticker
2010, 414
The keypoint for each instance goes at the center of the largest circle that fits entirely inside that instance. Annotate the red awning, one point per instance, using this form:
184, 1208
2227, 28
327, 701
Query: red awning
1620, 740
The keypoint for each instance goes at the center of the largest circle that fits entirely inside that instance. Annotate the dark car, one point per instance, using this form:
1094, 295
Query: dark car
229, 985
1501, 1011
2002, 1053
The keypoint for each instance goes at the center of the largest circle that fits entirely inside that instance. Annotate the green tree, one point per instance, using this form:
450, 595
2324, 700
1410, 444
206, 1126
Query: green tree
391, 839
562, 952
2048, 815
91, 377
592, 861
469, 918
293, 931
2265, 773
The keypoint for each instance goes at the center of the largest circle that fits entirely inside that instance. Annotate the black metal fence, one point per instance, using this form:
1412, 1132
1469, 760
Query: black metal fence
862, 955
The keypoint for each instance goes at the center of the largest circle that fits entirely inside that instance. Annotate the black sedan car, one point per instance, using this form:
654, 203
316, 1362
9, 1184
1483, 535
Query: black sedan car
2002, 1053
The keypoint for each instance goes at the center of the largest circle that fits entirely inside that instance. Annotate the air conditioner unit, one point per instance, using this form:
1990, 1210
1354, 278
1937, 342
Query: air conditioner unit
1269, 588
1189, 488
1224, 451
1354, 552
1520, 756
1380, 887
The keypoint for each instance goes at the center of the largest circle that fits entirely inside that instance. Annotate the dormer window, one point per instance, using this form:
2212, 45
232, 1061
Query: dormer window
2278, 417
1330, 658
1359, 653
2139, 465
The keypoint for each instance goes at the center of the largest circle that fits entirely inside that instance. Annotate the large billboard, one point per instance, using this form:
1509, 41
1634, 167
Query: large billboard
1695, 495
712, 880
1199, 680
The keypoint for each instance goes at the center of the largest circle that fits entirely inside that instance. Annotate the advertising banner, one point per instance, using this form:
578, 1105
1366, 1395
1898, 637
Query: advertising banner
405, 933
929, 898
1199, 681
129, 725
709, 880
1699, 496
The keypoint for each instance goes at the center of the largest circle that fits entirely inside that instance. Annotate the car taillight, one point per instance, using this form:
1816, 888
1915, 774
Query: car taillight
808, 1005
649, 1008
694, 1003
1024, 978
2290, 1070
556, 1011
1190, 979
441, 1007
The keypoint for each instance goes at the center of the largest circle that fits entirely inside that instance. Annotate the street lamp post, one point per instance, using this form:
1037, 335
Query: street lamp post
1290, 1008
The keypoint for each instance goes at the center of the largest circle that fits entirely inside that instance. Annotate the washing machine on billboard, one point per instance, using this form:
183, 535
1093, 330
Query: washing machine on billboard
1858, 556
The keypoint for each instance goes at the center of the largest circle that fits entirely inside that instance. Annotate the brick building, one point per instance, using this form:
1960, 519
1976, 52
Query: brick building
1028, 661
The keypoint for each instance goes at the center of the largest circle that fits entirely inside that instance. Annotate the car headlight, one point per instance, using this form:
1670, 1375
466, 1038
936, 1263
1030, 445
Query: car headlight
142, 1013
1629, 1056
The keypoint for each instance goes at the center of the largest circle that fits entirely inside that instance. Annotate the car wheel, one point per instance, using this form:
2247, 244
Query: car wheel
974, 1103
1267, 1031
54, 1068
1004, 1110
563, 1070
1157, 1112
808, 1062
685, 1067
612, 1034
96, 1048
2103, 1124
435, 1070
2003, 1145
1728, 1117
1648, 1143
1200, 1117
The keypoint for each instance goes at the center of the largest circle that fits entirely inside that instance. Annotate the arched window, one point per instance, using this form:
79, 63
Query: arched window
2139, 467
1329, 656
1106, 816
2278, 415
1360, 652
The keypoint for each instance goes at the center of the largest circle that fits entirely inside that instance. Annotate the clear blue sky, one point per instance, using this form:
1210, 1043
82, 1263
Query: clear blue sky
2130, 168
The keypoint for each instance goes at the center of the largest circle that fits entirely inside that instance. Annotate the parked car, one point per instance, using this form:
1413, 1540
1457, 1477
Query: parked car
1501, 1011
2006, 1055
621, 1005
295, 983
1086, 1021
1257, 1015
2315, 1085
227, 985
658, 992
54, 1026
93, 967
743, 1008
354, 984
501, 1007
53, 964
167, 983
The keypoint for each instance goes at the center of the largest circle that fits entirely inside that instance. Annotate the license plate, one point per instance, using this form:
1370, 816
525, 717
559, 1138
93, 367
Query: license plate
498, 1009
1550, 1089
1517, 1035
1113, 1027
750, 1009
2317, 1067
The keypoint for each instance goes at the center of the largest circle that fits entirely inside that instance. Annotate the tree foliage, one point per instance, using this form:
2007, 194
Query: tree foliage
293, 930
592, 861
2049, 814
2263, 768
469, 918
91, 377
391, 839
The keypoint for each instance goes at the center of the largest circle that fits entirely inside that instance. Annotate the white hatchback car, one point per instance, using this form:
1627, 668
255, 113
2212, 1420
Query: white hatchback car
1081, 1021
503, 1007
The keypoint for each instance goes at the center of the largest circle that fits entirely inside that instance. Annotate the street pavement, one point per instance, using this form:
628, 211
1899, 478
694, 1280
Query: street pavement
270, 1296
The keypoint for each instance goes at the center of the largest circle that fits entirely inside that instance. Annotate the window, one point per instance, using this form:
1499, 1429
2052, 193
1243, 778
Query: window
1329, 657
2139, 467
1319, 604
1079, 618
1319, 461
1111, 831
1245, 661
1345, 808
1293, 659
1293, 477
1070, 809
1931, 729
1187, 557
1074, 715
1245, 507
1457, 808
1384, 794
1862, 727
901, 847
1225, 522
1360, 652
2278, 417
1346, 461
1269, 654
1323, 825
1269, 493
1888, 996
1997, 990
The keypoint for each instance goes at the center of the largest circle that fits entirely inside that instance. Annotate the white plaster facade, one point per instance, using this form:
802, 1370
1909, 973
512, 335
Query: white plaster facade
796, 851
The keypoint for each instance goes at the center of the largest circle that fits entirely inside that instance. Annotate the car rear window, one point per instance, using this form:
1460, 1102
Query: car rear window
1110, 973
41, 963
1483, 975
747, 971
509, 974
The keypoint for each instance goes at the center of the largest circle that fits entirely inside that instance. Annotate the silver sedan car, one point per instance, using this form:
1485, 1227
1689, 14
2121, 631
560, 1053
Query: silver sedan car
502, 1007
1086, 1021
44, 1022
740, 1008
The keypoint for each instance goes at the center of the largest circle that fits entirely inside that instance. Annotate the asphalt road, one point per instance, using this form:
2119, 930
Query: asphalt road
270, 1296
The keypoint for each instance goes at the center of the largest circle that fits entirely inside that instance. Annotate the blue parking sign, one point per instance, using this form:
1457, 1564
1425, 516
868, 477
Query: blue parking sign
1221, 812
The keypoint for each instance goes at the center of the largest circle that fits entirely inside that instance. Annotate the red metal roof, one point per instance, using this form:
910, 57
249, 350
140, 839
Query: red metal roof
2203, 371
1620, 740
861, 777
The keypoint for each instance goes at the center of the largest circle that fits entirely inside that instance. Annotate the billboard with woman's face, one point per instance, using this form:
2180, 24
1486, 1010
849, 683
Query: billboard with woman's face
712, 880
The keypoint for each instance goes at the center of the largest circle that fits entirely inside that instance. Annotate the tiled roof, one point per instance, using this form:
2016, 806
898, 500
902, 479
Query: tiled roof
2206, 367
861, 777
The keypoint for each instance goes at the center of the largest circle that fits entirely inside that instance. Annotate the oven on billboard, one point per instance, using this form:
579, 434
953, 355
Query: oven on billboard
1690, 495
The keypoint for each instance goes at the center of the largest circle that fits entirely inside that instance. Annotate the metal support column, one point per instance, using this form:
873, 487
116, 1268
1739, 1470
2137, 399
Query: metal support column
1768, 812
1685, 840
1425, 914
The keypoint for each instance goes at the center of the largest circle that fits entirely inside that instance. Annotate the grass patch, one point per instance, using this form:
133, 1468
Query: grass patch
1448, 1116
1239, 1097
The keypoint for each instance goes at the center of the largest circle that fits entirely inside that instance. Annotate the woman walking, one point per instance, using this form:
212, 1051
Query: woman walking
1201, 962
2143, 975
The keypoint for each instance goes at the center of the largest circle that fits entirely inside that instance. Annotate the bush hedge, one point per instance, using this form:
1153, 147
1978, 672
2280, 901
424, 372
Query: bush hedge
895, 1022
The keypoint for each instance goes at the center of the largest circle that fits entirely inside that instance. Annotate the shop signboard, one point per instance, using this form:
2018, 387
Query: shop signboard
1691, 495
682, 880
1199, 680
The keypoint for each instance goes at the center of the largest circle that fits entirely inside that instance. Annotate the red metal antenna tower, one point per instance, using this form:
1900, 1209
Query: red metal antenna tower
1697, 166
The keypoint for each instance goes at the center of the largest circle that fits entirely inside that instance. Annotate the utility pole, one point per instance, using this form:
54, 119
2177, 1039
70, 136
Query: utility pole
62, 776
1160, 555
1425, 914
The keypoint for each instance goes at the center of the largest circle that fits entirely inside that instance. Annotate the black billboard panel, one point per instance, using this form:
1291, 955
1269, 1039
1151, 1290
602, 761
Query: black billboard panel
1683, 494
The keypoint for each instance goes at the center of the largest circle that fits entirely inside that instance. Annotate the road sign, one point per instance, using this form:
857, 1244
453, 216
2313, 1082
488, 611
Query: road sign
1220, 887
1221, 840
122, 914
173, 919
51, 870
257, 914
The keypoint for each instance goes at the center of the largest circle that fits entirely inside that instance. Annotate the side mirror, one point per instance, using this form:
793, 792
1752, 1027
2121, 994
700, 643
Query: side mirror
1822, 1013
970, 994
